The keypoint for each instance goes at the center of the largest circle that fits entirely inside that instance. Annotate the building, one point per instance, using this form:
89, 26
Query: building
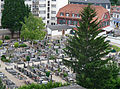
115, 16
58, 30
70, 15
47, 9
105, 3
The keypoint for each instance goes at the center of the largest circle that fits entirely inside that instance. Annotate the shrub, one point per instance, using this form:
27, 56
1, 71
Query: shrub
1, 42
7, 37
49, 85
65, 74
48, 73
22, 45
3, 58
16, 44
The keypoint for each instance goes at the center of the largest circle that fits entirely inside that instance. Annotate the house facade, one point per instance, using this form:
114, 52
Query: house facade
115, 16
104, 3
70, 15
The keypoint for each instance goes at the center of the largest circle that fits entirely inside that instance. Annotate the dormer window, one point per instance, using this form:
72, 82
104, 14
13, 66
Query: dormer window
78, 15
67, 14
106, 17
73, 15
61, 14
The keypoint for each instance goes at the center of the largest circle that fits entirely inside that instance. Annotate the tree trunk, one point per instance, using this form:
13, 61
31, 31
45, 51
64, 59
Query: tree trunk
19, 33
12, 34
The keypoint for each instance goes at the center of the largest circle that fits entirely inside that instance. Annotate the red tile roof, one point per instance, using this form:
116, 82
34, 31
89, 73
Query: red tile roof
114, 9
77, 8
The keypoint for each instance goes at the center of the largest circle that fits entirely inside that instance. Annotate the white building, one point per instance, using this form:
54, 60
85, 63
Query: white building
58, 30
47, 9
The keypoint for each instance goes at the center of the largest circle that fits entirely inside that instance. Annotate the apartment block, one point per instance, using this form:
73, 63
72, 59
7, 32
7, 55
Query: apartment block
47, 9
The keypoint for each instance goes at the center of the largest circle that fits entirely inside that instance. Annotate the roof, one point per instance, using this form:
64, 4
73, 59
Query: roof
115, 9
70, 87
77, 8
91, 1
59, 27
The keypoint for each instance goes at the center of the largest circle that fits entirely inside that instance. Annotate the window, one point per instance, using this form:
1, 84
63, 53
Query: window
42, 0
52, 18
53, 5
69, 22
78, 15
73, 15
67, 14
42, 12
61, 14
108, 23
117, 16
62, 21
42, 5
106, 17
53, 12
75, 23
43, 18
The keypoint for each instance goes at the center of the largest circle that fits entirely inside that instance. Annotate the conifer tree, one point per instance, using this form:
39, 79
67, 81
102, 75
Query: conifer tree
87, 50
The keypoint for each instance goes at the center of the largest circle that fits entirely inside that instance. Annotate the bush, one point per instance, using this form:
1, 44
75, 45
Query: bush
3, 58
1, 42
16, 44
22, 45
7, 37
65, 74
49, 85
48, 73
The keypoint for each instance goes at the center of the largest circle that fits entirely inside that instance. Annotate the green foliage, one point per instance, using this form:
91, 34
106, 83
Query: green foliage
86, 50
7, 37
48, 73
3, 58
115, 2
22, 45
116, 48
49, 85
16, 44
27, 58
52, 57
1, 85
1, 42
32, 29
65, 74
14, 13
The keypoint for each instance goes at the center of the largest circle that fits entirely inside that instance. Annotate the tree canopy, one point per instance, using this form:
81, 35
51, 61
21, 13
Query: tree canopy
13, 14
33, 28
86, 50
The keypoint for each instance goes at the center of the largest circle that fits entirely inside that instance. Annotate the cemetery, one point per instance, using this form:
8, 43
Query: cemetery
40, 63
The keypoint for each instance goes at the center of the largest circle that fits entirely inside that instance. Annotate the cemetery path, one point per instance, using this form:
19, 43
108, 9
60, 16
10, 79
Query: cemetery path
58, 79
28, 79
10, 76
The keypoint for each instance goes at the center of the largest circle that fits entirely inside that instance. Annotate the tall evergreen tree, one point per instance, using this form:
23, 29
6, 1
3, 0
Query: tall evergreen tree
87, 50
13, 14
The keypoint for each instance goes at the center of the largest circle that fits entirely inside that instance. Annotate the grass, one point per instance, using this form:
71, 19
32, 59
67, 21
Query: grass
116, 48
